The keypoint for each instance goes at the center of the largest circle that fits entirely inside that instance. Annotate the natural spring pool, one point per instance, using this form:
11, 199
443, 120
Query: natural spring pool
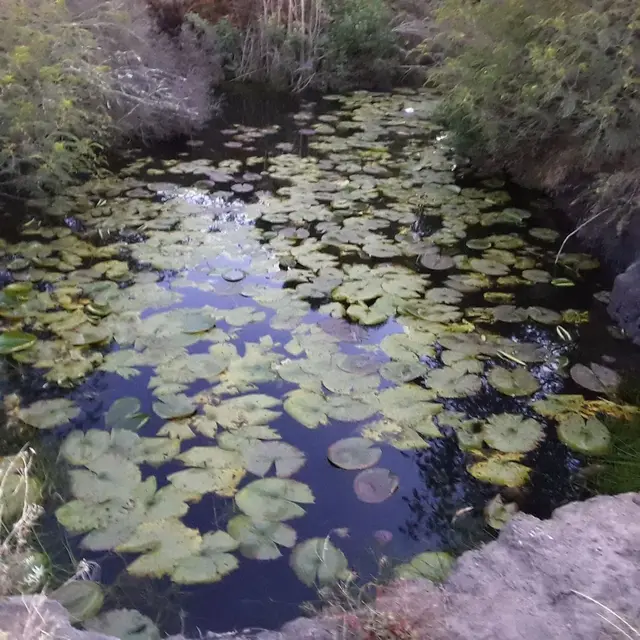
298, 346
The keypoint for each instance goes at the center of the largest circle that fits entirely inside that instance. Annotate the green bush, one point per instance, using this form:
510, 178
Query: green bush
549, 84
77, 76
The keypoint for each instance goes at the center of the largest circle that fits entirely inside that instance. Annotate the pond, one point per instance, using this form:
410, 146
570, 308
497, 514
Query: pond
299, 349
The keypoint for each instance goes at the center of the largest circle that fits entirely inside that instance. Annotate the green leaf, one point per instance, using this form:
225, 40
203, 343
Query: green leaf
259, 540
125, 624
124, 413
47, 414
212, 562
513, 382
375, 485
307, 407
354, 453
501, 469
432, 565
512, 433
251, 409
274, 499
318, 562
172, 407
260, 456
588, 436
83, 599
595, 377
498, 512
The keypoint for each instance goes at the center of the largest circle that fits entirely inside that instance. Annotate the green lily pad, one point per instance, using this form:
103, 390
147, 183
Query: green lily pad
354, 453
198, 323
13, 341
260, 456
126, 624
488, 267
124, 413
453, 382
318, 562
584, 435
595, 377
375, 485
83, 599
498, 512
307, 407
172, 407
212, 562
511, 433
18, 489
432, 565
555, 406
274, 499
544, 316
261, 540
501, 469
437, 262
513, 382
250, 409
400, 372
47, 414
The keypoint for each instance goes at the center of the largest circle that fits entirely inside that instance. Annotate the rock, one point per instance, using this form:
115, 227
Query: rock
37, 618
624, 306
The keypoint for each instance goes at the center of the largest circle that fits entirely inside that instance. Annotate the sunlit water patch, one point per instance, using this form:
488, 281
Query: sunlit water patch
300, 353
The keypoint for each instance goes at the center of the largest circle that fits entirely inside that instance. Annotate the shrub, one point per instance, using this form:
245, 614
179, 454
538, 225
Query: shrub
558, 79
77, 76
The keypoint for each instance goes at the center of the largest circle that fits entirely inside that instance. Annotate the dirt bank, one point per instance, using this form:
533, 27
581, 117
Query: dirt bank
533, 583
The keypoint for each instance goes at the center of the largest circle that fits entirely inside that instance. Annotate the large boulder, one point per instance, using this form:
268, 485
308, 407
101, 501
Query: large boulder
624, 306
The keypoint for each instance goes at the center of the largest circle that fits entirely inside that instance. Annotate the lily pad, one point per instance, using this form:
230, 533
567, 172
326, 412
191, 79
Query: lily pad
498, 512
437, 262
584, 435
501, 469
307, 407
354, 453
274, 499
261, 456
432, 565
172, 407
13, 341
124, 413
234, 275
510, 433
126, 624
47, 414
400, 372
318, 562
212, 562
595, 377
375, 485
83, 599
513, 382
260, 540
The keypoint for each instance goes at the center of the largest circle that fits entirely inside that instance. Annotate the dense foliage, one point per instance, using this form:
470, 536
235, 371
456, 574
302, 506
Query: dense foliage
75, 76
558, 79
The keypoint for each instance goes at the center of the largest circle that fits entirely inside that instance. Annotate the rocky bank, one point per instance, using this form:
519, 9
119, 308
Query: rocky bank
535, 582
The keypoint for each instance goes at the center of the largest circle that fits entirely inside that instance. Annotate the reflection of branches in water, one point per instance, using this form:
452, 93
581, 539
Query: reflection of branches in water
446, 489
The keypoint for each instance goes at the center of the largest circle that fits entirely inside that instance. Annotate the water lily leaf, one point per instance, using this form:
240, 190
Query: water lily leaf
537, 275
432, 565
437, 262
163, 543
400, 372
126, 624
544, 234
47, 414
172, 407
375, 485
469, 431
544, 316
501, 469
17, 489
246, 437
13, 341
409, 405
307, 407
513, 382
241, 316
318, 562
509, 313
346, 383
261, 456
498, 512
453, 382
401, 436
261, 540
555, 406
354, 453
234, 275
198, 322
589, 436
510, 433
595, 377
217, 470
124, 413
408, 347
350, 408
488, 267
274, 499
212, 562
250, 409
83, 599
368, 316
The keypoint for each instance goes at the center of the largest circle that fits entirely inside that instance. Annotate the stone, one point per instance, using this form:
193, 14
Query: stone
624, 306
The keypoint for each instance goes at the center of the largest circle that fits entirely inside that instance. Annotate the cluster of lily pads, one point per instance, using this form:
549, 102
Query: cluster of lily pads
368, 231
